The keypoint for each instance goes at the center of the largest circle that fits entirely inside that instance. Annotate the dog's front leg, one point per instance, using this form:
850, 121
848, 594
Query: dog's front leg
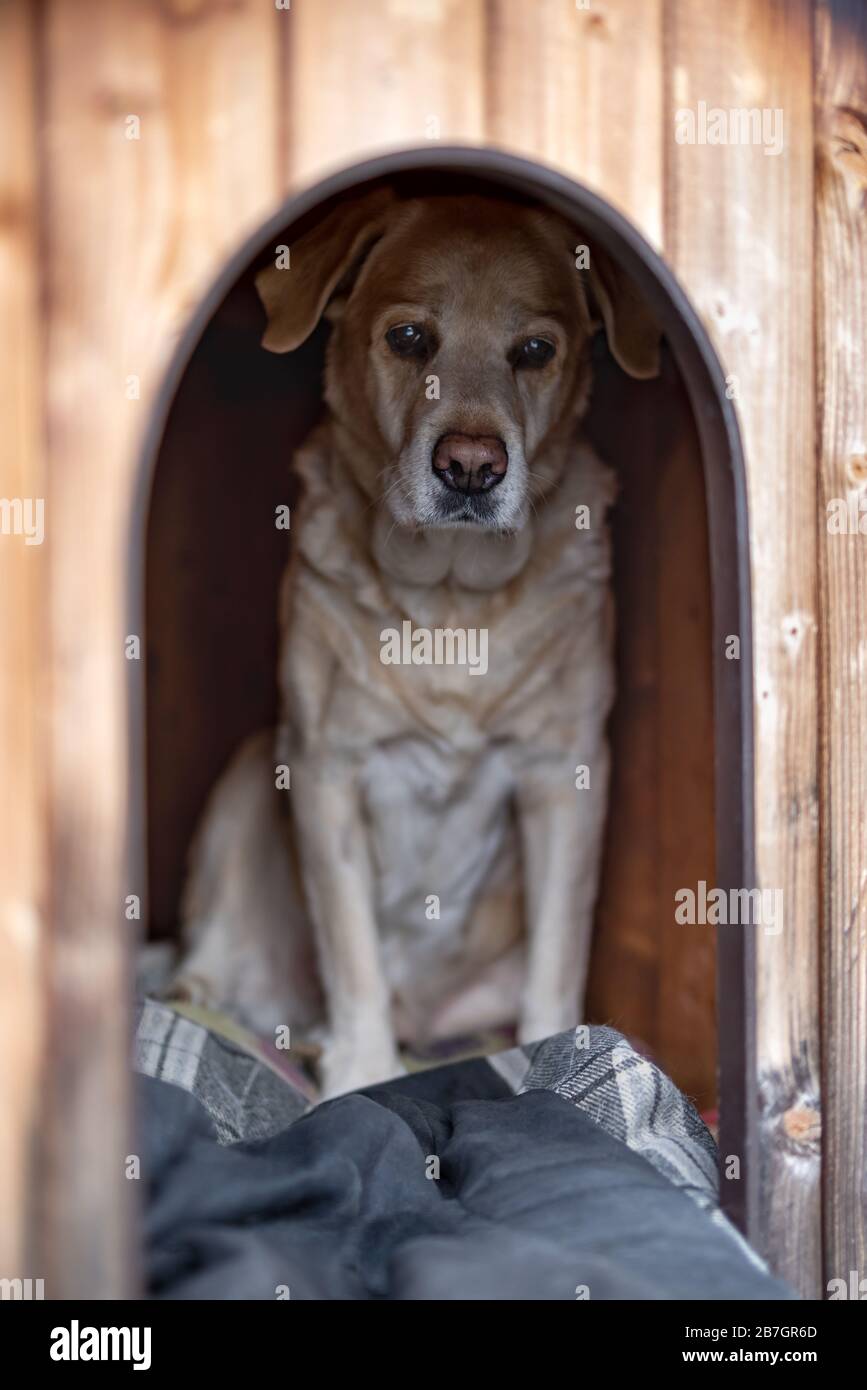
561, 830
335, 868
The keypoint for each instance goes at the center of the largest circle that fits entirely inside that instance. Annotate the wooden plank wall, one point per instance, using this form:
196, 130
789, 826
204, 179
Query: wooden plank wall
379, 76
135, 229
841, 320
556, 82
22, 581
739, 232
236, 104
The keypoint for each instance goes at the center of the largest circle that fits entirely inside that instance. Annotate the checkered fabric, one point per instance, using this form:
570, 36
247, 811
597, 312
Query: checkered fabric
246, 1096
598, 1071
252, 1092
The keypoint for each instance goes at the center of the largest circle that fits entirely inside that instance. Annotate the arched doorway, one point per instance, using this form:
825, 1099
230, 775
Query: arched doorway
217, 455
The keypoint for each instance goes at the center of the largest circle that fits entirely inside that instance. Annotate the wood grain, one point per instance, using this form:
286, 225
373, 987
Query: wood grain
22, 586
582, 89
685, 1024
360, 79
738, 230
136, 230
841, 319
651, 977
624, 978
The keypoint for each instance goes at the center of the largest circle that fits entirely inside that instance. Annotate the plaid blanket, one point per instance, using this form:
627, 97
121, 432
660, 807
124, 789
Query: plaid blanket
571, 1164
251, 1090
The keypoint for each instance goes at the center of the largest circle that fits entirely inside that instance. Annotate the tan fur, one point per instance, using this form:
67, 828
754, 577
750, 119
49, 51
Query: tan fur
416, 780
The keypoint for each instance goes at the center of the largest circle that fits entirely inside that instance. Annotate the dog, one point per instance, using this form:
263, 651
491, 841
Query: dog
432, 868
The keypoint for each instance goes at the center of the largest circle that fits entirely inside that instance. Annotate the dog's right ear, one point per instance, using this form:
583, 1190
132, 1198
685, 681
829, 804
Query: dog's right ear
296, 297
633, 334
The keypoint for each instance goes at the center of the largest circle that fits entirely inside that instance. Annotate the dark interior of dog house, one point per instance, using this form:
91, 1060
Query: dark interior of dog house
213, 567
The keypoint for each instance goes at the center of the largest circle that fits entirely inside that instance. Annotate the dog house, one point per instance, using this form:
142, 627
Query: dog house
737, 733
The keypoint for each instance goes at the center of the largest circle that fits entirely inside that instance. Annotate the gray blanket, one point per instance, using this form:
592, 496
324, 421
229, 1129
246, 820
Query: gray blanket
570, 1169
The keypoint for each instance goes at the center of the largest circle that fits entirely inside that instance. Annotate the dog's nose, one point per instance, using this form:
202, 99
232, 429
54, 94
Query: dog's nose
470, 462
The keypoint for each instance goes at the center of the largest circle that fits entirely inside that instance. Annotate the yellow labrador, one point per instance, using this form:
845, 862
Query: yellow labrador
446, 662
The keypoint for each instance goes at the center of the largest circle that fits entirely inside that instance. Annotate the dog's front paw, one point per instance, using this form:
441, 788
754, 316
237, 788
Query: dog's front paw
186, 988
348, 1065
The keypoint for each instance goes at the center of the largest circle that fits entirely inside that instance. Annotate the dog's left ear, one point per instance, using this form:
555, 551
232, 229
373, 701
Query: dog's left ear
633, 337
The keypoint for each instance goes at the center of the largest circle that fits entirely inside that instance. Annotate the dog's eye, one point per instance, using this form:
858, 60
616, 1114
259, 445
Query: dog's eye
407, 340
536, 352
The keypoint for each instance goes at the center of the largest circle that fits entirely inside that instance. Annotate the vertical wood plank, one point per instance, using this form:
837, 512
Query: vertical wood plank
361, 79
685, 1030
738, 230
22, 584
841, 295
651, 976
624, 982
136, 228
582, 89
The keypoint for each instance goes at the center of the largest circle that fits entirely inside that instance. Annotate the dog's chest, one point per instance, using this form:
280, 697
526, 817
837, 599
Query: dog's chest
437, 822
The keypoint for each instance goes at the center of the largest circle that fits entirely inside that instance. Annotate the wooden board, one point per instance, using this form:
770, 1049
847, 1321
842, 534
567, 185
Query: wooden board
651, 977
685, 1034
841, 318
557, 83
359, 79
135, 229
738, 230
624, 980
22, 584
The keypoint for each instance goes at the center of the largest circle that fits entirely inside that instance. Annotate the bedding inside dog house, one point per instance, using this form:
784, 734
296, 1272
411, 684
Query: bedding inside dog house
218, 465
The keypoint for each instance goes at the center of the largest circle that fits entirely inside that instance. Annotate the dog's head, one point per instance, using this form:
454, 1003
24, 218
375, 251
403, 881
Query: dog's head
460, 352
